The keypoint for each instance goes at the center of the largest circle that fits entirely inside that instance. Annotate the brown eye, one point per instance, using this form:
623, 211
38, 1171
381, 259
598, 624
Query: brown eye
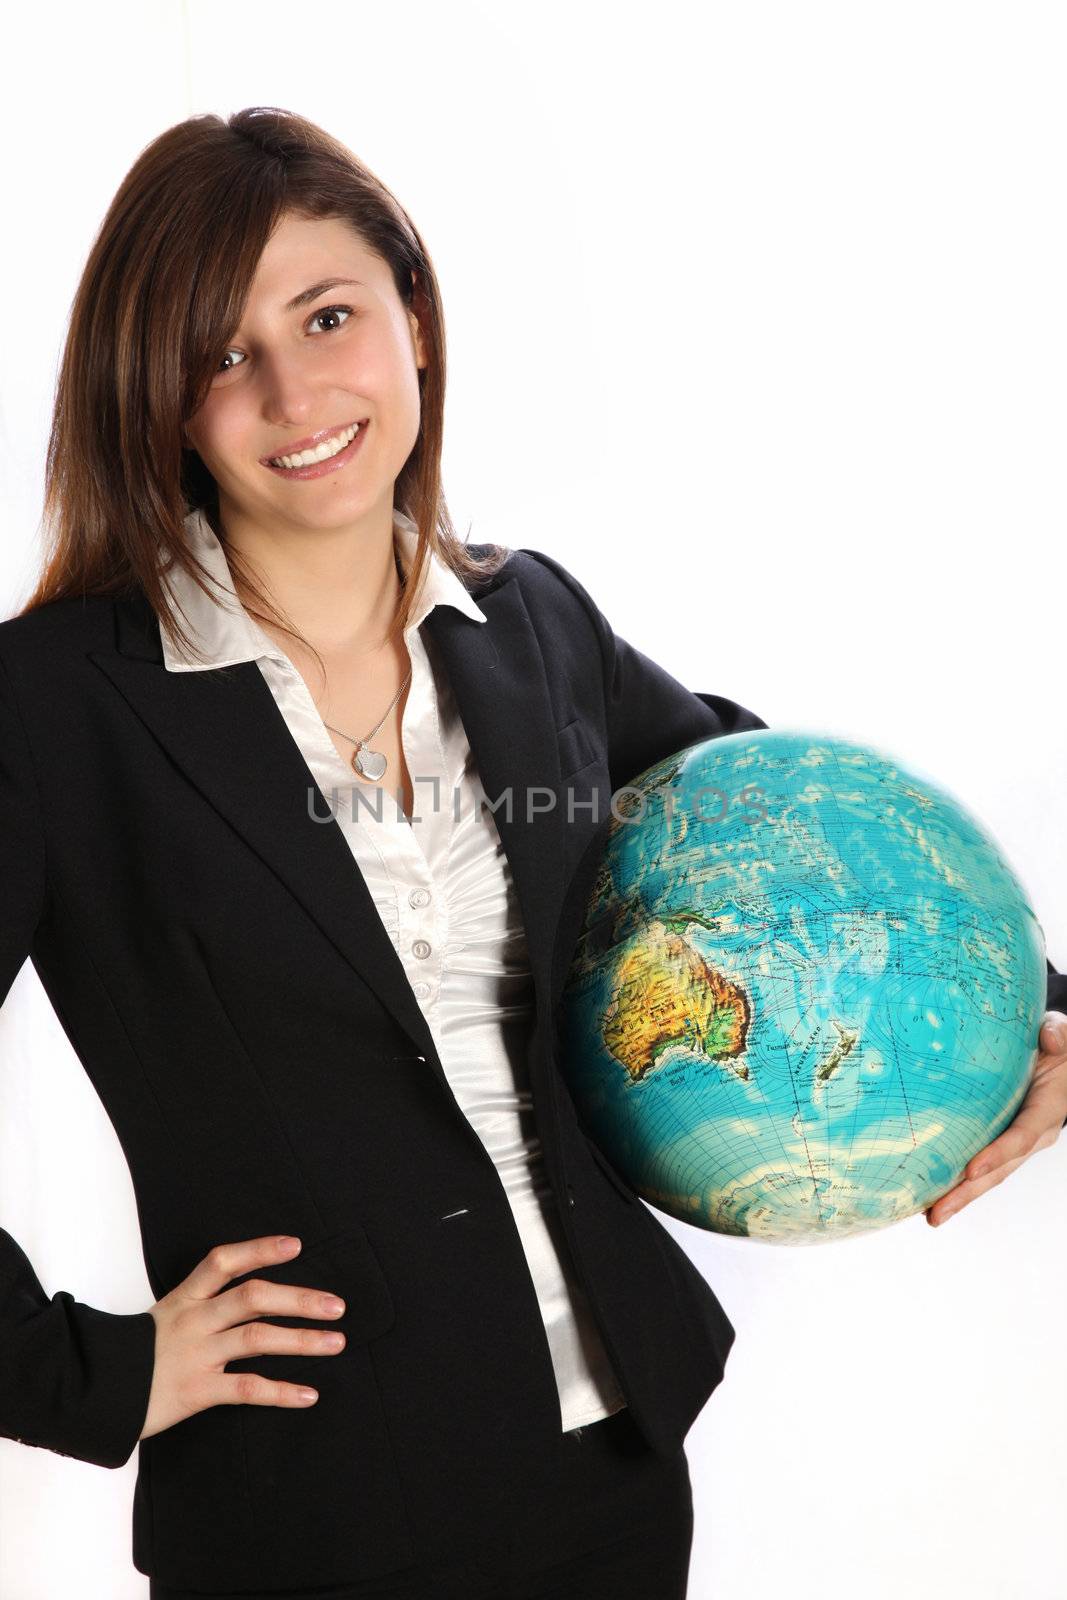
332, 311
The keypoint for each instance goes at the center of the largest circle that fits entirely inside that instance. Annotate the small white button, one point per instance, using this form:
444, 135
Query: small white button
419, 897
420, 948
420, 990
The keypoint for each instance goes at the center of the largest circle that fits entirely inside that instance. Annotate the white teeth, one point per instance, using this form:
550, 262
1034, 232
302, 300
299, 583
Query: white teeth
322, 452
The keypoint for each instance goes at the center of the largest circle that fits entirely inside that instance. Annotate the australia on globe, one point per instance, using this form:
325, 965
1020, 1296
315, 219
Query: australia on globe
806, 991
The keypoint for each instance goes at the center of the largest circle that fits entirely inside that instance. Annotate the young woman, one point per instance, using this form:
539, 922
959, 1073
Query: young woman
301, 802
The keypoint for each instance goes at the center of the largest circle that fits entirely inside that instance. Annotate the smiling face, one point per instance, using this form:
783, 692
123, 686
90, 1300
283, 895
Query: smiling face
305, 366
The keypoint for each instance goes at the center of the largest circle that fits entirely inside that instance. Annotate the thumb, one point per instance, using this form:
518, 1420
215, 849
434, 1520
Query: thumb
1054, 1032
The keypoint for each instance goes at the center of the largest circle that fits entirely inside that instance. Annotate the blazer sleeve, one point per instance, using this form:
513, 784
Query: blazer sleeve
1057, 990
73, 1379
651, 716
1057, 998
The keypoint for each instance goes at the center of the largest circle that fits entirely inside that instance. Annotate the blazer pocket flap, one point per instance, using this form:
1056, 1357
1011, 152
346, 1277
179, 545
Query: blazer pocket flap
345, 1265
576, 747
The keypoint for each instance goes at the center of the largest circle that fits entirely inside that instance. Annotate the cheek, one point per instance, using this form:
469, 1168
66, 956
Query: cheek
403, 389
218, 433
383, 378
380, 367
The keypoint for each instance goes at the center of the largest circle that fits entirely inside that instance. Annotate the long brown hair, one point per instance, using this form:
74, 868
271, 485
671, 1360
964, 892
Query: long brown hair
161, 293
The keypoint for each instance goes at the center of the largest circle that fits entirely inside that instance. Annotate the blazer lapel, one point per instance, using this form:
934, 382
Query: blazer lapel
497, 674
226, 733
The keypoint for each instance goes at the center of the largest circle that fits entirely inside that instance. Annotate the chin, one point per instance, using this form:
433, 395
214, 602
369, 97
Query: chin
326, 514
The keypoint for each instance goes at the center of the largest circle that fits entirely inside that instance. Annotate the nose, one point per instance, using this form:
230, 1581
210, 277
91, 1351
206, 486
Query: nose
288, 389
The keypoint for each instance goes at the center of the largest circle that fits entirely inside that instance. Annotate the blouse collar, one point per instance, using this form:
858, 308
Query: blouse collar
227, 634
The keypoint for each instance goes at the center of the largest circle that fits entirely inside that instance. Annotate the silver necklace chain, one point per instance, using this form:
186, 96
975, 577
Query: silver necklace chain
370, 763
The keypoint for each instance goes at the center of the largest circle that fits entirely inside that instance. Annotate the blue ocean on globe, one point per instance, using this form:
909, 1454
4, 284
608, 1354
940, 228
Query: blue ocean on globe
807, 988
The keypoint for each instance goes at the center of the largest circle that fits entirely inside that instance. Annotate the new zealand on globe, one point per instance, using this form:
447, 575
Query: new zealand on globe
806, 991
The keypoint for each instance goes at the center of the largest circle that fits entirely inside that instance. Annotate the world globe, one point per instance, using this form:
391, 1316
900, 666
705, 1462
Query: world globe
806, 990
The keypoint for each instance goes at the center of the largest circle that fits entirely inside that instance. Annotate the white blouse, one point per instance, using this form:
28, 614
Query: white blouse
443, 888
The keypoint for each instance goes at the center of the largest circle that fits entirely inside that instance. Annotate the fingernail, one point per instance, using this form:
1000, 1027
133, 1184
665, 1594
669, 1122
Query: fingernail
1055, 1030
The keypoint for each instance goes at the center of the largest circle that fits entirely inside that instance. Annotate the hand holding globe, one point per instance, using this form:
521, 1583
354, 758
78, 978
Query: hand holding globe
1036, 1127
806, 995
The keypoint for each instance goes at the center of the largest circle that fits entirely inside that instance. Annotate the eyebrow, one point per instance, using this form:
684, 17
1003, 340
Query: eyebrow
307, 295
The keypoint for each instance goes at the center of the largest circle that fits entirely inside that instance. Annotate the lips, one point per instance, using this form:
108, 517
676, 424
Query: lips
293, 447
336, 462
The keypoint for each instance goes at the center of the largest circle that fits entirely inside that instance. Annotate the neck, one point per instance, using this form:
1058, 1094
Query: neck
338, 587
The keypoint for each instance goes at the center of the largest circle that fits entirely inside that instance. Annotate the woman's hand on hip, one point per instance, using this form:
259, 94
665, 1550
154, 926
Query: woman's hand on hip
201, 1325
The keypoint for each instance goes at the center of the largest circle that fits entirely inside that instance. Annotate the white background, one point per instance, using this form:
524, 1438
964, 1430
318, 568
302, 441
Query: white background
756, 321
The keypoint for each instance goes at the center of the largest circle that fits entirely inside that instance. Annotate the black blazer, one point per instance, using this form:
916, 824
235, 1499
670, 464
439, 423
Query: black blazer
213, 955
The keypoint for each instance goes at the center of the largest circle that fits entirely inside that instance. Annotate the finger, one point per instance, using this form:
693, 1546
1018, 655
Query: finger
251, 1389
993, 1156
262, 1297
969, 1190
1053, 1036
1021, 1139
228, 1261
269, 1338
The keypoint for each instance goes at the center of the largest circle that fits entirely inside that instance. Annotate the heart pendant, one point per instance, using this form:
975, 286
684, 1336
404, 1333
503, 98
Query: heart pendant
371, 763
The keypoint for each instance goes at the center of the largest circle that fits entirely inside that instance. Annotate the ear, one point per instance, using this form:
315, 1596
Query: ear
421, 358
